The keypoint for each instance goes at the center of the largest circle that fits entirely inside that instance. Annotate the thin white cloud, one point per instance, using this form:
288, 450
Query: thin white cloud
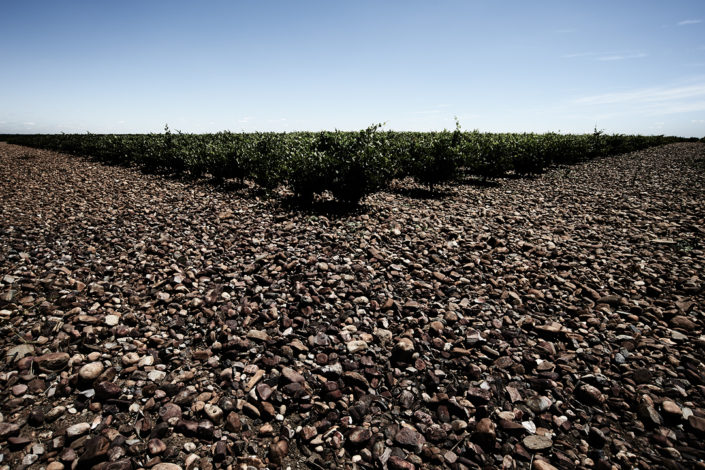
245, 119
647, 95
428, 111
606, 56
29, 123
698, 121
613, 57
676, 108
656, 101
687, 22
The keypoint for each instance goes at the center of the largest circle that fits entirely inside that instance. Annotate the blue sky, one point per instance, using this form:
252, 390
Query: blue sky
627, 66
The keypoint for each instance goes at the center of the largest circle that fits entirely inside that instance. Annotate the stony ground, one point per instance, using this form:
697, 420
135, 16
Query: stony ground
549, 322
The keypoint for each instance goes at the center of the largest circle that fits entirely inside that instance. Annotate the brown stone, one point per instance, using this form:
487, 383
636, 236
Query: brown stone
409, 438
52, 362
536, 442
397, 463
543, 465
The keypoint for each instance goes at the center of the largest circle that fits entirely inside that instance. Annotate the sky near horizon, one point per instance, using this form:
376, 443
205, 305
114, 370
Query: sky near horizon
505, 66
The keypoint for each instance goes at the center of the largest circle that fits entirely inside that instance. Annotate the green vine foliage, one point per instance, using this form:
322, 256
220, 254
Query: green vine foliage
348, 165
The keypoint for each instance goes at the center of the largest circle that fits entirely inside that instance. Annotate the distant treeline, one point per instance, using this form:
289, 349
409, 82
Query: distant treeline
348, 164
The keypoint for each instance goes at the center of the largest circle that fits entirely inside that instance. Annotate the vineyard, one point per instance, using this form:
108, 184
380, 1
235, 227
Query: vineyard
350, 165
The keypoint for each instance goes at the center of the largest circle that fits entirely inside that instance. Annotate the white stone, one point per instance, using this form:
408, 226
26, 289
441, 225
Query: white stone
77, 429
189, 446
356, 346
156, 375
91, 371
166, 466
529, 426
214, 413
147, 360
130, 358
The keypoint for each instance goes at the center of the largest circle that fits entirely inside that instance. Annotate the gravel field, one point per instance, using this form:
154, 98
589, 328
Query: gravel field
554, 322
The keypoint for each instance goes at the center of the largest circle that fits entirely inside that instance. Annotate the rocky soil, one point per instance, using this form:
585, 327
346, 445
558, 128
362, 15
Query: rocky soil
554, 322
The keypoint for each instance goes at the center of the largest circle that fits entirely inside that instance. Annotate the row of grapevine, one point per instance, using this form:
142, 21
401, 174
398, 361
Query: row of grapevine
348, 164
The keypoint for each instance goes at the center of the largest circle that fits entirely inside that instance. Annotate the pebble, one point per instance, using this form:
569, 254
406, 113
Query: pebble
77, 430
156, 446
292, 376
590, 395
156, 375
91, 371
671, 409
166, 466
258, 335
146, 361
214, 413
356, 346
409, 438
278, 451
397, 463
485, 433
53, 361
538, 404
8, 430
543, 465
360, 436
537, 442
130, 358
